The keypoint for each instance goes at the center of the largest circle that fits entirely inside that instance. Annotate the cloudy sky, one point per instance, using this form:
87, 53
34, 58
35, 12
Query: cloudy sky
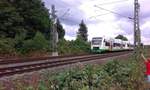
101, 22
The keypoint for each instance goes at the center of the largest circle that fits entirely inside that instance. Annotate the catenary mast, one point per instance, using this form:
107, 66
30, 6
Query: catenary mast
137, 33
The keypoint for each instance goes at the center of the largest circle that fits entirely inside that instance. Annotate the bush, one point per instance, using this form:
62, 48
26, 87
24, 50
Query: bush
73, 47
82, 45
7, 46
63, 47
114, 75
38, 43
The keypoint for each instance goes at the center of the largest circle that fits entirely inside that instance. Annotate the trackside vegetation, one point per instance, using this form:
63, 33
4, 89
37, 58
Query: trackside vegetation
117, 74
25, 29
114, 75
22, 23
76, 47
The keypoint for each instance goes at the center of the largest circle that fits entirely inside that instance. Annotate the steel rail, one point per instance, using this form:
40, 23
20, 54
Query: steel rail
18, 69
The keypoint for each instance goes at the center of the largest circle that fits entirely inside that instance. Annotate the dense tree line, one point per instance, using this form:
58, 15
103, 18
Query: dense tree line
23, 17
25, 27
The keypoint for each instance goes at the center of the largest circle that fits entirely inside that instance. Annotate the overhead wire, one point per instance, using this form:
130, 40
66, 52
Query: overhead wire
112, 12
114, 2
65, 13
98, 15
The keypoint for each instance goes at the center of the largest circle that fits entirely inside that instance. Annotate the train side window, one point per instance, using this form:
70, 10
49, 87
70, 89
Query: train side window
107, 44
123, 45
116, 44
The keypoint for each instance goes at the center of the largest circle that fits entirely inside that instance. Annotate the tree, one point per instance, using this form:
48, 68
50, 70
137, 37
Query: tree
24, 16
38, 43
60, 30
36, 16
82, 32
10, 20
121, 37
23, 22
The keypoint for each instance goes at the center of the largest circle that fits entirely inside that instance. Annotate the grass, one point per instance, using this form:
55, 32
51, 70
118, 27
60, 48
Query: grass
114, 75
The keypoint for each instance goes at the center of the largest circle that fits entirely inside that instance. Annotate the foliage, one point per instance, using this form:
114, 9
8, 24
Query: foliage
82, 32
82, 45
10, 20
73, 47
42, 86
114, 75
6, 46
121, 37
60, 30
38, 43
20, 25
121, 74
25, 27
23, 16
63, 47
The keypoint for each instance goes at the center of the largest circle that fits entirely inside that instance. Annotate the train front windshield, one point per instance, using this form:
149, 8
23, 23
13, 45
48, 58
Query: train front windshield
96, 42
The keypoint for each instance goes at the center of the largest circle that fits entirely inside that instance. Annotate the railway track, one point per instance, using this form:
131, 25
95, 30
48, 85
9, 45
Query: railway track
30, 59
12, 67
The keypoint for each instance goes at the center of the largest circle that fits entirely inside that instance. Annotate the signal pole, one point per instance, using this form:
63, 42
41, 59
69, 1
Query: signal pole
137, 33
54, 32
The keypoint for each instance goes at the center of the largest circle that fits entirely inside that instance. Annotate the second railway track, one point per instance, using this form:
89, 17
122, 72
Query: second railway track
8, 69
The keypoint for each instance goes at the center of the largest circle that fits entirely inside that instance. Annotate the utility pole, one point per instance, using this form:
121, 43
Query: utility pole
137, 33
54, 32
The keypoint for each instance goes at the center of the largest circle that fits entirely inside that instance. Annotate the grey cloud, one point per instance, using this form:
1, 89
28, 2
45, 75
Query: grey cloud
127, 10
75, 15
71, 33
126, 26
146, 32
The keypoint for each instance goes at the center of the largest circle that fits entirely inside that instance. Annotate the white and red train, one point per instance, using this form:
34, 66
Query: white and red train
102, 44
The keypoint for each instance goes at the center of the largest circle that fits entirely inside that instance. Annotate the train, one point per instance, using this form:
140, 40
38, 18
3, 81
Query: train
103, 44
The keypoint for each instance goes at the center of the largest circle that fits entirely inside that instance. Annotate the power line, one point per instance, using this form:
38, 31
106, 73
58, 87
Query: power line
98, 15
112, 12
65, 13
113, 2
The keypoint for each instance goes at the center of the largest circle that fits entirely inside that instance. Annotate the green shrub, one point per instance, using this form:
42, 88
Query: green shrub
82, 45
63, 47
7, 46
114, 75
73, 47
42, 86
38, 43
22, 46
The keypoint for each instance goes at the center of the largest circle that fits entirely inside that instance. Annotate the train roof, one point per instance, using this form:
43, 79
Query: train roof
97, 38
112, 39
